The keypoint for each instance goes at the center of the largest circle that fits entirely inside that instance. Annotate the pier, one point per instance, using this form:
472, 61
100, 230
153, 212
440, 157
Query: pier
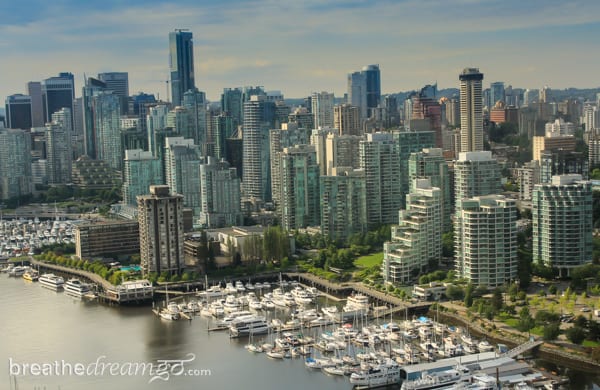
127, 293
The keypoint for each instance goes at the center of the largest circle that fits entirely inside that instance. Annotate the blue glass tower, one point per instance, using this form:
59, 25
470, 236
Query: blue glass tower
181, 62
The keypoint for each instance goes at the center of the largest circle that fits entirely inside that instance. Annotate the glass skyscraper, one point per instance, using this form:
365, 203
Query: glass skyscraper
181, 63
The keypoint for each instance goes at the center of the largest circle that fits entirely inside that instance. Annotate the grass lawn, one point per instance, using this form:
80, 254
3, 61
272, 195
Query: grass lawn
590, 343
369, 260
512, 322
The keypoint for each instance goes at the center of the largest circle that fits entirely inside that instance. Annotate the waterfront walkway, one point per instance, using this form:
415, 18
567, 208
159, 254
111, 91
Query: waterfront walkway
92, 277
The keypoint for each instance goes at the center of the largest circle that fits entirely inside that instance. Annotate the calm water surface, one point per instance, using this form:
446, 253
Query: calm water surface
42, 326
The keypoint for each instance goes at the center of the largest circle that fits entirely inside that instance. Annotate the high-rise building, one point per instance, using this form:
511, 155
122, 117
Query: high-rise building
106, 109
380, 159
341, 151
559, 128
156, 120
318, 139
57, 92
195, 103
298, 193
181, 63
322, 109
594, 151
471, 110
160, 215
18, 112
427, 113
562, 223
220, 194
364, 90
34, 90
346, 118
231, 104
475, 174
410, 142
259, 117
303, 117
496, 93
541, 143
118, 82
59, 152
222, 128
430, 164
531, 96
182, 161
563, 162
417, 240
343, 196
15, 163
486, 240
527, 177
140, 170
92, 88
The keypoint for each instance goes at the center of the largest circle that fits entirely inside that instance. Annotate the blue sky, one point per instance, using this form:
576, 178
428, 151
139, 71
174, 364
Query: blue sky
303, 46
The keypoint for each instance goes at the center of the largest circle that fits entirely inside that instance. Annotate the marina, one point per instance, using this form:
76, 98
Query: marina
339, 355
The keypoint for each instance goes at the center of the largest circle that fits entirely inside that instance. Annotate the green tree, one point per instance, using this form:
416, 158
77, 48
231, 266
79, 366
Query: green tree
469, 295
576, 335
454, 293
551, 331
448, 244
497, 300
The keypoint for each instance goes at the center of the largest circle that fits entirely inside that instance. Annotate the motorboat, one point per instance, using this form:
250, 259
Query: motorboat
52, 281
385, 374
248, 326
31, 276
76, 288
441, 379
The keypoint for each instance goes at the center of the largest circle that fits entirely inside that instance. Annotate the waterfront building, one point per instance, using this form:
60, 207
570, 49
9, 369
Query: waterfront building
380, 159
417, 240
88, 174
160, 217
562, 223
485, 237
18, 112
297, 172
430, 164
57, 92
220, 195
322, 109
181, 64
475, 174
141, 170
346, 118
343, 196
259, 117
471, 110
563, 162
59, 152
34, 91
16, 178
182, 159
107, 239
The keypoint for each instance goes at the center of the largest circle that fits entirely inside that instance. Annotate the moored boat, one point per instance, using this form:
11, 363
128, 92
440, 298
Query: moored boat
52, 281
76, 288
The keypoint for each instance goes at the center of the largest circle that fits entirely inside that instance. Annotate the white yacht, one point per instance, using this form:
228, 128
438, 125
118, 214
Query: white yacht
442, 379
384, 374
171, 312
248, 326
212, 292
76, 288
357, 304
52, 281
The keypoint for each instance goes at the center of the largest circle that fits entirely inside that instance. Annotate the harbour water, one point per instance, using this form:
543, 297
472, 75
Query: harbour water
47, 329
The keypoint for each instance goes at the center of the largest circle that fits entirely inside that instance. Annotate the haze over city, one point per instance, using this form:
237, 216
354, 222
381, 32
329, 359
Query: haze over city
300, 47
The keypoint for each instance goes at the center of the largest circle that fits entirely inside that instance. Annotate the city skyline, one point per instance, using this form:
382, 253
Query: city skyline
287, 46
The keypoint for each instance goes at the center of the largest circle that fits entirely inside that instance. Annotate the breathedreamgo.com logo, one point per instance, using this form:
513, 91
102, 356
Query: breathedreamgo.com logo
161, 370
